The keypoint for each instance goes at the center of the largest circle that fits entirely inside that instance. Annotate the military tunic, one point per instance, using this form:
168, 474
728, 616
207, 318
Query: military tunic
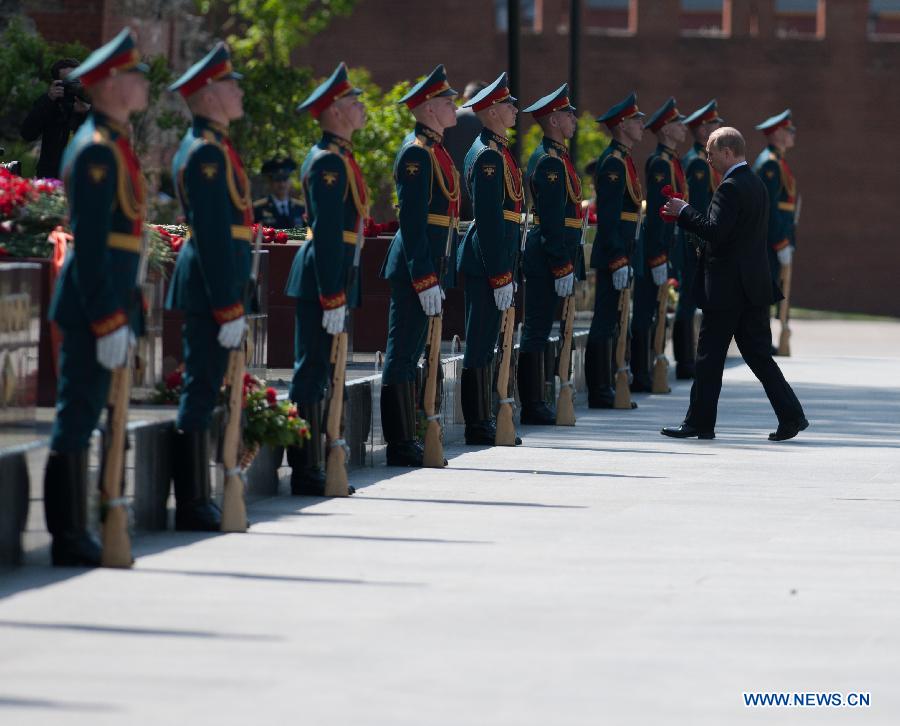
428, 193
210, 279
782, 187
338, 203
97, 290
663, 169
268, 213
553, 245
619, 197
488, 252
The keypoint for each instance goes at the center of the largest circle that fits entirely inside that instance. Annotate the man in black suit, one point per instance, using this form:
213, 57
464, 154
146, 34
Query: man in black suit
734, 291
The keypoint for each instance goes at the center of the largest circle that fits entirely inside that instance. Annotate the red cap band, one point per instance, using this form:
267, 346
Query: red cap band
618, 118
497, 96
121, 62
426, 94
333, 94
212, 74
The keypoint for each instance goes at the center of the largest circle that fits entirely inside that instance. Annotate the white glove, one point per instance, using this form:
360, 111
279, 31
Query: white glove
660, 273
565, 285
333, 320
785, 255
112, 349
620, 277
431, 300
232, 332
503, 296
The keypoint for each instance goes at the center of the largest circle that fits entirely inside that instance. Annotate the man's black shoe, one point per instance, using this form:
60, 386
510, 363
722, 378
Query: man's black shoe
537, 414
404, 453
686, 431
789, 430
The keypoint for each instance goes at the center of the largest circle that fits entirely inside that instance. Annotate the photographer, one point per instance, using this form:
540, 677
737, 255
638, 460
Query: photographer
55, 116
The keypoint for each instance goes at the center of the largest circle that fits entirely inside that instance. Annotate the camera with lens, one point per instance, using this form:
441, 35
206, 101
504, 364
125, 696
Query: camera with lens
72, 90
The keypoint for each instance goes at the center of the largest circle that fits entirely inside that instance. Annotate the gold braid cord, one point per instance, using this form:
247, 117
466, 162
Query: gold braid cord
437, 172
241, 200
125, 192
362, 208
510, 185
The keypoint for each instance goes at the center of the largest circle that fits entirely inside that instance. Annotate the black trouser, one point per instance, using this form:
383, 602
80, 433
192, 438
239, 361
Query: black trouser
749, 326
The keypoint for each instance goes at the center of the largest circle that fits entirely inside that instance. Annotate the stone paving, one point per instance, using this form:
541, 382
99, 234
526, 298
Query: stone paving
600, 574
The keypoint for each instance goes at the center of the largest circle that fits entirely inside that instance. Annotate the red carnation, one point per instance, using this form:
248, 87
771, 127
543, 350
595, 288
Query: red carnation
271, 396
668, 191
281, 238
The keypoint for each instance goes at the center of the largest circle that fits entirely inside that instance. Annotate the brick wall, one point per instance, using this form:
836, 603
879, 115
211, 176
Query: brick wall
842, 89
839, 87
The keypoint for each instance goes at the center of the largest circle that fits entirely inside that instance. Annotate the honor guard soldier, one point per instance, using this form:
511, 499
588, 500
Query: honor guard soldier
776, 175
663, 168
619, 197
487, 254
552, 246
336, 193
428, 194
702, 181
279, 209
96, 300
211, 273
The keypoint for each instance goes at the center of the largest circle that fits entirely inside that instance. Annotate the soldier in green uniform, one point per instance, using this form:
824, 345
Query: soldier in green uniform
96, 303
702, 181
428, 193
552, 247
487, 255
279, 209
619, 197
210, 278
663, 168
334, 187
773, 169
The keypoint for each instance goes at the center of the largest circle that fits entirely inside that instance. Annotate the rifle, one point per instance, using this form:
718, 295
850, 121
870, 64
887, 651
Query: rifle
784, 341
661, 363
336, 482
506, 429
431, 401
234, 509
116, 550
623, 391
565, 405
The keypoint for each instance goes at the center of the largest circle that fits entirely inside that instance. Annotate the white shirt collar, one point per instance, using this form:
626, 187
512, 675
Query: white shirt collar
727, 173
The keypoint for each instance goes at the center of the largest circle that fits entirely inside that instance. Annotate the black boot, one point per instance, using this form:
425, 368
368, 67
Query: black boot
194, 508
307, 461
683, 347
481, 429
535, 410
398, 423
599, 373
642, 380
65, 507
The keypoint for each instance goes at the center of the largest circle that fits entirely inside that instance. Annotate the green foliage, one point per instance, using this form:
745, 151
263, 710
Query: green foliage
157, 117
264, 32
375, 146
592, 140
25, 61
271, 125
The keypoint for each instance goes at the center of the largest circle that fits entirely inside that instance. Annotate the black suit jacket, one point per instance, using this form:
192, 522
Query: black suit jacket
733, 257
